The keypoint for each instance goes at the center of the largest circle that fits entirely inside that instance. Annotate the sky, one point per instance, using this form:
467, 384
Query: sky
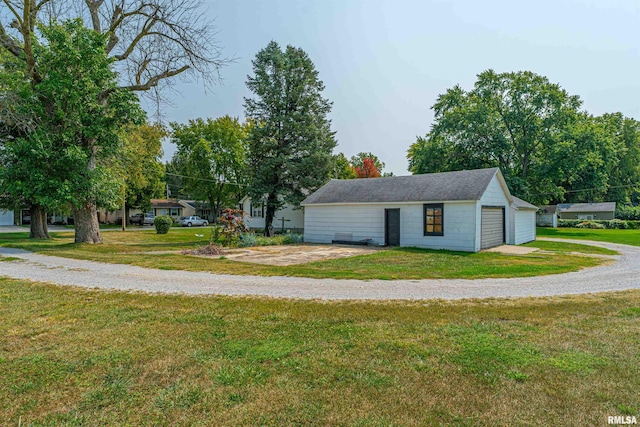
385, 62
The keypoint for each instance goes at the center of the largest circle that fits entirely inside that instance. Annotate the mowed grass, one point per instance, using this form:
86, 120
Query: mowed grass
147, 249
80, 357
626, 237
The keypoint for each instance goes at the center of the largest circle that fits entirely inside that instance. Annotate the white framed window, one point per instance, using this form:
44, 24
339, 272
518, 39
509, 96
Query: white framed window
587, 217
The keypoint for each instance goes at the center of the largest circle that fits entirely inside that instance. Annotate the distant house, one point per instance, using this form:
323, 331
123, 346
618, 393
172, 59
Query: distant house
287, 218
201, 209
547, 216
6, 217
587, 211
463, 211
172, 208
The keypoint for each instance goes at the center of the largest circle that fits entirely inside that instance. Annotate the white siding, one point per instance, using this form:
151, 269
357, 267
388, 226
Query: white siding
366, 221
295, 217
547, 220
523, 226
6, 217
494, 195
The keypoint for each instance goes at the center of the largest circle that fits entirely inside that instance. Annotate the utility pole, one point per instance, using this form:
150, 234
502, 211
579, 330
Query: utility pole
124, 211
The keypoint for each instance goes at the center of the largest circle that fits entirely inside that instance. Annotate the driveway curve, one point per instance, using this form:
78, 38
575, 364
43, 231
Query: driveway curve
622, 274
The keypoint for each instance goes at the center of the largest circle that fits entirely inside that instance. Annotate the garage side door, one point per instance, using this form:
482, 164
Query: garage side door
492, 227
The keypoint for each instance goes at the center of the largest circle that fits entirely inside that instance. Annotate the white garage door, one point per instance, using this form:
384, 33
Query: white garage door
6, 217
492, 227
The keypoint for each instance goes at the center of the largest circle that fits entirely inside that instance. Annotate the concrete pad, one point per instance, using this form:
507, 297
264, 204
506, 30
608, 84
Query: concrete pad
295, 254
512, 250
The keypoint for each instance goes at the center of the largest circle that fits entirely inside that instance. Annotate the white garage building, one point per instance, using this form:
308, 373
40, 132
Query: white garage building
462, 211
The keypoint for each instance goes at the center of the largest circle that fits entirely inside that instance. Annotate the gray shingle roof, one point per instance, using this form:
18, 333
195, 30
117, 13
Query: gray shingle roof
521, 204
587, 207
460, 185
548, 209
165, 204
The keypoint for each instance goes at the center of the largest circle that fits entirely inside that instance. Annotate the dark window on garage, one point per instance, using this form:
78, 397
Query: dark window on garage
434, 219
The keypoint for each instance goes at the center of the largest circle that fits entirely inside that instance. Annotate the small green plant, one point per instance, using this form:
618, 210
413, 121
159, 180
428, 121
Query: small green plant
292, 239
163, 224
247, 240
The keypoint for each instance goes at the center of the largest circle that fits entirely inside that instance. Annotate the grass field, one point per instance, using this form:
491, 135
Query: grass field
137, 247
78, 357
627, 237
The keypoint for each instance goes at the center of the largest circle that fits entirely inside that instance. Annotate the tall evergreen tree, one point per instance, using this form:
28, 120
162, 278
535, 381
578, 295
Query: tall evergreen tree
291, 143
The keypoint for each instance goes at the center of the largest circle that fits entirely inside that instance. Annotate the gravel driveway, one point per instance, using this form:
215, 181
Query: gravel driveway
620, 275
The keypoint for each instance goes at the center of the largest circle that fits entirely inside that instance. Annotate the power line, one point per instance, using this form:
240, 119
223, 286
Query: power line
205, 179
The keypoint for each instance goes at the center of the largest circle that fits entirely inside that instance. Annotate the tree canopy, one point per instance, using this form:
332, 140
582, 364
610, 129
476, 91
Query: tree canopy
110, 49
291, 143
64, 158
548, 148
212, 159
142, 168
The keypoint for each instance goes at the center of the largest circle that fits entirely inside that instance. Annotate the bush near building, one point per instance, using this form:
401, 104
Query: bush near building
614, 224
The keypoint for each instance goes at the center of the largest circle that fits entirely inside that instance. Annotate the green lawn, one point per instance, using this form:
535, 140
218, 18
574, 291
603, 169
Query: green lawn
627, 237
133, 248
82, 357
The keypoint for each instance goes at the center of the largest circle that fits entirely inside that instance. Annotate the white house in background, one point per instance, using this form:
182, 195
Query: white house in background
548, 216
462, 211
587, 211
288, 217
6, 217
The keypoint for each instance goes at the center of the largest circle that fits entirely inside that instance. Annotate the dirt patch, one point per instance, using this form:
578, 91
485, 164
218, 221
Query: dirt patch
296, 254
512, 250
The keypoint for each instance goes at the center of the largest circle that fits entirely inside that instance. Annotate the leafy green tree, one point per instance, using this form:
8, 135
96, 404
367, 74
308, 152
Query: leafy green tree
174, 177
582, 162
509, 120
213, 158
143, 169
63, 158
150, 42
624, 175
291, 143
19, 162
342, 168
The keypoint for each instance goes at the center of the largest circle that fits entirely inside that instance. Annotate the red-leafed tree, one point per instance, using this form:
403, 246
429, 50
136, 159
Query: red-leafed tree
368, 169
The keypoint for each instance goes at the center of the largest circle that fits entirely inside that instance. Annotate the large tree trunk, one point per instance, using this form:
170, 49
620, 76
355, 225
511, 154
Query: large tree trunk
270, 214
38, 229
86, 224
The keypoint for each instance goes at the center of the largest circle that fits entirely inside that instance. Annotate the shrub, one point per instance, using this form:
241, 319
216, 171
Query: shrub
232, 222
292, 238
248, 239
628, 212
569, 222
590, 224
611, 224
163, 224
617, 224
634, 225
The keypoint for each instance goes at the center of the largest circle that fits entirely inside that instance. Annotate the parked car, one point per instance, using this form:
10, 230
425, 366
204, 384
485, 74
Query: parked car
142, 219
188, 221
